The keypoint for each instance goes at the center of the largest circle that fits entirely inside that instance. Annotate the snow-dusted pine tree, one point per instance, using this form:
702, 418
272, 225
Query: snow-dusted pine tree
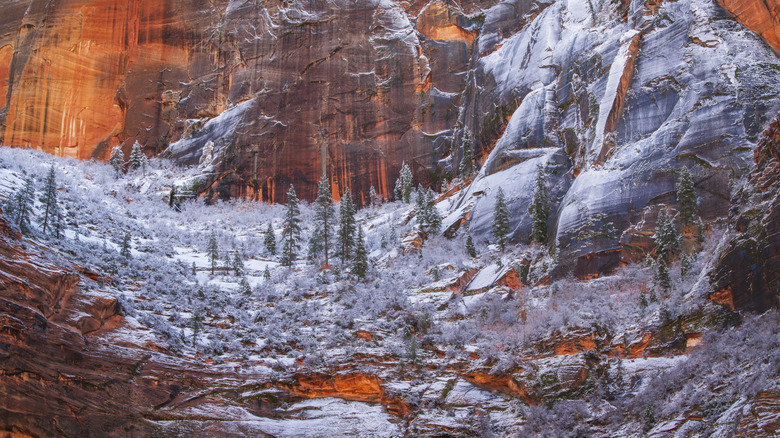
360, 264
270, 240
406, 182
398, 190
117, 159
124, 248
466, 167
432, 213
291, 233
212, 250
324, 221
347, 225
137, 158
686, 198
51, 209
19, 208
501, 220
471, 249
667, 240
374, 197
238, 264
540, 208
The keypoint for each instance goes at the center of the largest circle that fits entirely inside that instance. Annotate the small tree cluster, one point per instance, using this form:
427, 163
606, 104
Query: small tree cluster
19, 209
427, 213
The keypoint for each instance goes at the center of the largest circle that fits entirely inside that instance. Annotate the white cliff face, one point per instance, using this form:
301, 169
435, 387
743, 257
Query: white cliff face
614, 107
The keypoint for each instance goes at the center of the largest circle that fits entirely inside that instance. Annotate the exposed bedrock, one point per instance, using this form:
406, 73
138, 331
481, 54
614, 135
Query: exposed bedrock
612, 109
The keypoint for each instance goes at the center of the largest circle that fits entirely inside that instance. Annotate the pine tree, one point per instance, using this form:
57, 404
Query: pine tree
419, 204
270, 240
374, 196
667, 241
686, 198
238, 264
51, 210
137, 158
466, 167
324, 220
267, 273
346, 231
360, 264
501, 220
540, 208
398, 190
117, 159
212, 250
471, 250
406, 182
124, 248
291, 234
20, 207
661, 277
432, 213
244, 286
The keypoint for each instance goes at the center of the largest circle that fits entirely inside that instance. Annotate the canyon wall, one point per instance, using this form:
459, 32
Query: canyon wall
611, 97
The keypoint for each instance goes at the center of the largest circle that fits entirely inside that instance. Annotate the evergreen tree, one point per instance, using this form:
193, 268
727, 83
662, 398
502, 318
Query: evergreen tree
324, 220
360, 264
667, 241
117, 159
347, 225
270, 240
471, 250
291, 234
432, 213
238, 264
398, 190
661, 277
406, 182
19, 208
375, 200
686, 198
51, 210
244, 286
267, 273
124, 248
420, 206
212, 250
467, 162
540, 208
138, 159
501, 220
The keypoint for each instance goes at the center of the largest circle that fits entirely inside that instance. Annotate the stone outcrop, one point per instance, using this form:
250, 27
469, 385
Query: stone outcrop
747, 276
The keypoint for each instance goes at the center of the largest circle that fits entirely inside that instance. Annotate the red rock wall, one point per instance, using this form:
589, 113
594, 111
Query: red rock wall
78, 77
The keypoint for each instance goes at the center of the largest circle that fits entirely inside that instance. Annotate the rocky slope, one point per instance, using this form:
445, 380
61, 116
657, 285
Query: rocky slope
431, 343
